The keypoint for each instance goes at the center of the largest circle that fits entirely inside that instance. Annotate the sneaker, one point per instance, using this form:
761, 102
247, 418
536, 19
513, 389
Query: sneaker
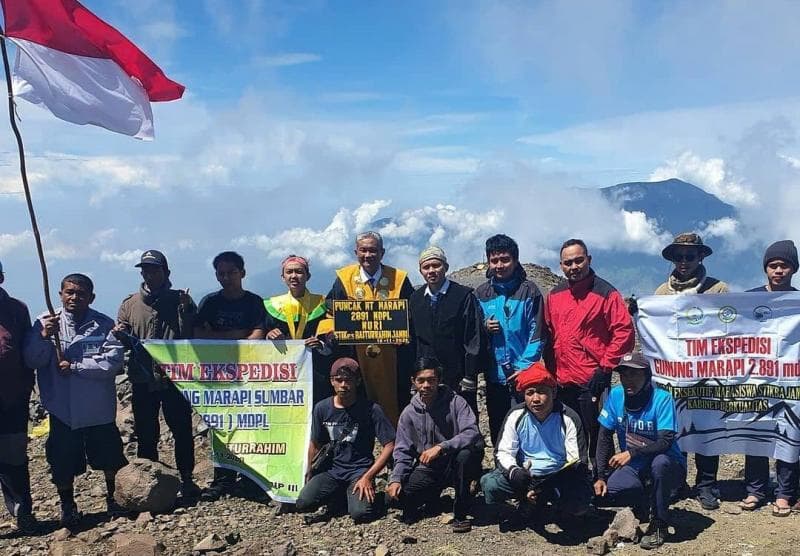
27, 524
707, 499
461, 526
70, 516
320, 516
655, 536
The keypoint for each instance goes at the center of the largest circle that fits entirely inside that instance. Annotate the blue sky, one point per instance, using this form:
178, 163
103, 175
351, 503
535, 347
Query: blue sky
305, 121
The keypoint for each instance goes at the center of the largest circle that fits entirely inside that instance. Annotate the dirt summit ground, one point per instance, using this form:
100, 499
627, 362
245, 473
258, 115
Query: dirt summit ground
248, 528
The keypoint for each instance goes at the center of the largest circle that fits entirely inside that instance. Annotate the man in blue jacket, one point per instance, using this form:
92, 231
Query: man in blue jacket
513, 310
78, 391
437, 444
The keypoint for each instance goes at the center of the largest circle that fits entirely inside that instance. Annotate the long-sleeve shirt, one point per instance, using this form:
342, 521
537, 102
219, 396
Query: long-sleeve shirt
548, 445
161, 318
590, 328
85, 395
448, 422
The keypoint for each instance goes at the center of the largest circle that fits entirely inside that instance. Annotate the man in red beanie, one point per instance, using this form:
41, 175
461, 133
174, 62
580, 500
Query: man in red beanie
352, 423
541, 455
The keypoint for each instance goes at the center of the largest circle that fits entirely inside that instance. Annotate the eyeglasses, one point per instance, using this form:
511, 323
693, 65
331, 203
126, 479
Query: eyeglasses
684, 257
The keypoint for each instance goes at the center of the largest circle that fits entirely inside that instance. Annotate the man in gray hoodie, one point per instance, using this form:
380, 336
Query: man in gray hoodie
437, 444
78, 391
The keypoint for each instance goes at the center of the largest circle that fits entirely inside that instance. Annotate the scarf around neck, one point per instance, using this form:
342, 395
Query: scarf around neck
690, 285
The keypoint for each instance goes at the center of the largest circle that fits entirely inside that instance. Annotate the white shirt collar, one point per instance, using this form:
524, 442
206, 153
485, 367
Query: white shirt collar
442, 290
365, 277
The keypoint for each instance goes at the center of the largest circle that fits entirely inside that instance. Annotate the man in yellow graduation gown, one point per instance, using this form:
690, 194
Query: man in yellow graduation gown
385, 368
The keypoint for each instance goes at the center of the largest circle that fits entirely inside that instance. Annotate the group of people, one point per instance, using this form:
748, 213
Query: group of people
547, 364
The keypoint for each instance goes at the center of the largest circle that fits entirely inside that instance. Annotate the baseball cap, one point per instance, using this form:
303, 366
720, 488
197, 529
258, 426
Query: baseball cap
153, 257
345, 366
633, 360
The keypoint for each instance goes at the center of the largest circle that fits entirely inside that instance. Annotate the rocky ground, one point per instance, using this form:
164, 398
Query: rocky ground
243, 527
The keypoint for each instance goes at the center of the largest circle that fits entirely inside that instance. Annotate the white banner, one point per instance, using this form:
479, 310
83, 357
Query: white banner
732, 363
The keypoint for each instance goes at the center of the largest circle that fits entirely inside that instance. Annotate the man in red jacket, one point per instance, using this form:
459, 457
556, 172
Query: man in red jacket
591, 330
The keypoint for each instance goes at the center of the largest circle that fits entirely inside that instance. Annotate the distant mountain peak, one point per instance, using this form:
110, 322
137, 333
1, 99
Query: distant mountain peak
675, 204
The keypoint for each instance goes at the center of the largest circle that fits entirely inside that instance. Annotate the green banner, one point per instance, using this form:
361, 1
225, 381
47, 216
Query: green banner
255, 395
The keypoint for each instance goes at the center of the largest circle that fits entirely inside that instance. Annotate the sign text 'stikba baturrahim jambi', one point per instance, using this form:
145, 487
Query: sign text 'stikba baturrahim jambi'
255, 396
732, 364
371, 322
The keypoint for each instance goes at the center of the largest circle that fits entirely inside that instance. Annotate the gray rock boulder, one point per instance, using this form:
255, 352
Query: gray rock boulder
147, 486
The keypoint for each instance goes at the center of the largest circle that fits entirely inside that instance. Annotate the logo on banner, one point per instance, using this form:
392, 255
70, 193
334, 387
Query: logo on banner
762, 313
727, 314
695, 315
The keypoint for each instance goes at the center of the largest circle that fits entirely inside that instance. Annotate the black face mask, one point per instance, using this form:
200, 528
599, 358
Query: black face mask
637, 401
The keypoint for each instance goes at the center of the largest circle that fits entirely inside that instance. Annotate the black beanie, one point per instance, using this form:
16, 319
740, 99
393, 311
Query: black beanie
783, 250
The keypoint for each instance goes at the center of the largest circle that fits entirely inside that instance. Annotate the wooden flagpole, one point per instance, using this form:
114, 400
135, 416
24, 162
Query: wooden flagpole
24, 175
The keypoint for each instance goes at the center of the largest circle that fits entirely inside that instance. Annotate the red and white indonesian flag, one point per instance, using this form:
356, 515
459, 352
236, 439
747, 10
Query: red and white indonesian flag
82, 69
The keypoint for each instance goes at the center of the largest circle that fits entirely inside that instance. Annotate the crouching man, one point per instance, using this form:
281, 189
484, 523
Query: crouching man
644, 419
352, 424
438, 444
78, 391
541, 455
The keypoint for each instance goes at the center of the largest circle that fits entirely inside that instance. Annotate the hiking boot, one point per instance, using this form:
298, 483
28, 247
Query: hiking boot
708, 500
27, 524
70, 516
461, 526
189, 488
112, 508
655, 536
216, 490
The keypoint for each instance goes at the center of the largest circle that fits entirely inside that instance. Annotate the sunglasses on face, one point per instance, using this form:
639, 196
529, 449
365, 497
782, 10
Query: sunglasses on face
685, 257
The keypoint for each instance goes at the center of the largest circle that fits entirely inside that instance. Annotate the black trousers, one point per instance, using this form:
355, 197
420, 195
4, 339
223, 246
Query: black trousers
15, 479
579, 399
756, 478
323, 488
706, 478
499, 399
425, 484
177, 414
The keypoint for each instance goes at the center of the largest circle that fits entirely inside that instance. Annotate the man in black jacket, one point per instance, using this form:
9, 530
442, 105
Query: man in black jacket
446, 323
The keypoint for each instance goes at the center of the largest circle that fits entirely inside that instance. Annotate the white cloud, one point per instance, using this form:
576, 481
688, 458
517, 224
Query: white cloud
459, 231
710, 174
286, 59
125, 259
164, 31
431, 161
10, 242
643, 233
